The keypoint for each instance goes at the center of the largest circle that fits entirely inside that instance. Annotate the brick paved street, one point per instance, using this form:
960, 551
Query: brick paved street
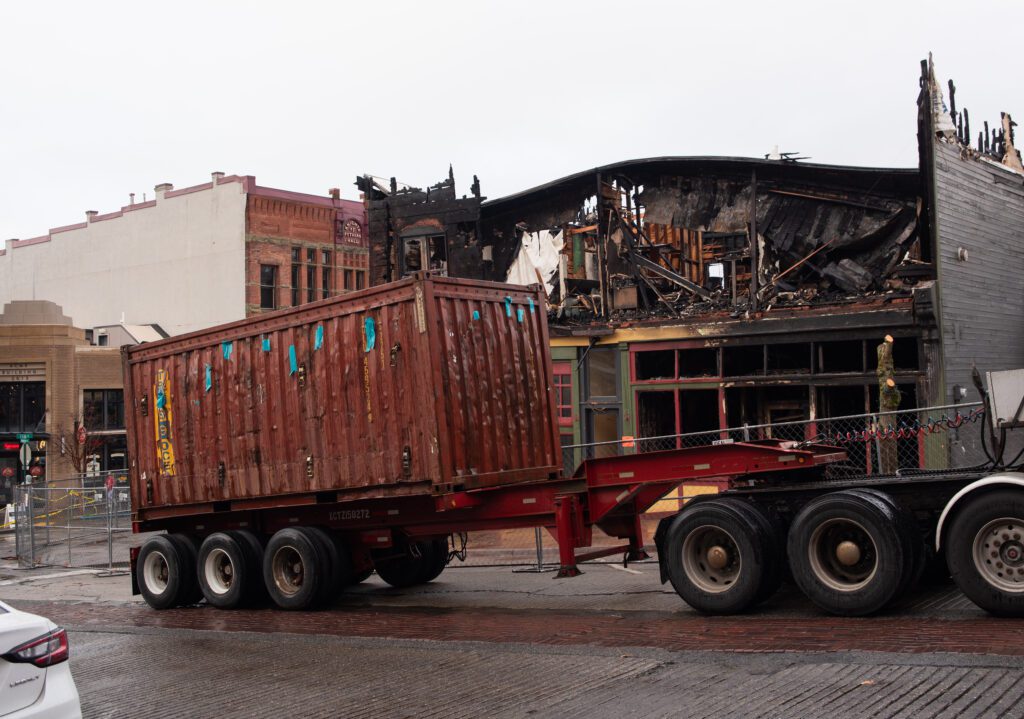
490, 642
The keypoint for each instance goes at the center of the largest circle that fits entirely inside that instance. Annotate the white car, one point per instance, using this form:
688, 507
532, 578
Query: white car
35, 680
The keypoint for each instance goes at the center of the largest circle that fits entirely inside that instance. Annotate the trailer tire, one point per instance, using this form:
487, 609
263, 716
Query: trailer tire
409, 570
293, 568
224, 570
716, 557
338, 566
774, 555
985, 551
439, 551
160, 571
847, 553
252, 550
188, 547
913, 543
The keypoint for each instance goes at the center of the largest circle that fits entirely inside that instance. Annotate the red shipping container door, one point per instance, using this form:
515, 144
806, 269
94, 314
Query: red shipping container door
420, 386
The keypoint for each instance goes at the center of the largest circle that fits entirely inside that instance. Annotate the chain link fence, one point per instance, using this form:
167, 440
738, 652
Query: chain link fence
882, 443
78, 522
86, 521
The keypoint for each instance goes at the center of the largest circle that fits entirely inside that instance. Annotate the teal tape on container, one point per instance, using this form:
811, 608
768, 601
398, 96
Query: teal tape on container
519, 314
266, 344
293, 364
227, 347
532, 309
508, 306
318, 341
370, 331
161, 398
476, 315
208, 380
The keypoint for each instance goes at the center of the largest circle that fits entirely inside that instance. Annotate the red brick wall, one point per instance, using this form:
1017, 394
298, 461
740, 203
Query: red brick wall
275, 227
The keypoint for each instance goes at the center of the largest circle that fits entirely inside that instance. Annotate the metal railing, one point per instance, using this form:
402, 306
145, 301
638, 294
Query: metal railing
74, 522
85, 521
928, 438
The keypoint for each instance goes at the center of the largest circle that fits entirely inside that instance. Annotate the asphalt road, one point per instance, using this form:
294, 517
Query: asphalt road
490, 642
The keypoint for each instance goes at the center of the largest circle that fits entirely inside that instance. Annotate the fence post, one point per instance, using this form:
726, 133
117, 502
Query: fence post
31, 525
71, 516
110, 531
746, 432
539, 537
878, 444
19, 523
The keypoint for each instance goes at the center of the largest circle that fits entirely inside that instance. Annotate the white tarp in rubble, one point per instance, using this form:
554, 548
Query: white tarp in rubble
538, 253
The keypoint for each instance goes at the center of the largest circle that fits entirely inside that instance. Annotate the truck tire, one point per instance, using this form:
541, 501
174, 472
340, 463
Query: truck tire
224, 570
716, 556
252, 550
338, 567
847, 553
439, 554
160, 571
985, 551
774, 551
293, 569
913, 542
409, 570
188, 549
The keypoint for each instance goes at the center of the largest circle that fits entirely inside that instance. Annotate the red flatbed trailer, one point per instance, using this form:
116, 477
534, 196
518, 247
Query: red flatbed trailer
336, 502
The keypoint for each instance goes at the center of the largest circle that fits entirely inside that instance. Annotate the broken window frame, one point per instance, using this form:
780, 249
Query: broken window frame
562, 381
428, 244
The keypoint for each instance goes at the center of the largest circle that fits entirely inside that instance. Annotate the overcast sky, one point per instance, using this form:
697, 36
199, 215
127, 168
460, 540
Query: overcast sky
103, 99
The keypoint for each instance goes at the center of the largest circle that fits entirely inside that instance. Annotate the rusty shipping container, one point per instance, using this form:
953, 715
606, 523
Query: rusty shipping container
426, 385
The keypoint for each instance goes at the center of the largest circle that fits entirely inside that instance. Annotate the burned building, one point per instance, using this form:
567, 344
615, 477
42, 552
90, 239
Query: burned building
694, 294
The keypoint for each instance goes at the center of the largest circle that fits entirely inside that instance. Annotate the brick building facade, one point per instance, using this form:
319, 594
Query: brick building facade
194, 257
301, 248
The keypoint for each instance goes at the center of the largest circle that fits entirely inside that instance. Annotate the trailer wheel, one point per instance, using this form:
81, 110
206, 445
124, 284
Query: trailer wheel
252, 550
847, 553
223, 570
417, 565
914, 555
439, 553
337, 567
188, 550
716, 557
160, 571
985, 552
774, 554
293, 566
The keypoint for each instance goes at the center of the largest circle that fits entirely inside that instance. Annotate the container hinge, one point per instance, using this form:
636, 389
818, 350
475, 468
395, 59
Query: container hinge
144, 405
301, 375
309, 467
395, 349
149, 491
222, 473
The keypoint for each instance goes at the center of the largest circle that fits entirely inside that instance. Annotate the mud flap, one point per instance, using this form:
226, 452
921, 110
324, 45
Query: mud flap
659, 540
133, 555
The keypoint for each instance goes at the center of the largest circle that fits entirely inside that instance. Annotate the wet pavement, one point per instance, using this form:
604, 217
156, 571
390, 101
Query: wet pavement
490, 641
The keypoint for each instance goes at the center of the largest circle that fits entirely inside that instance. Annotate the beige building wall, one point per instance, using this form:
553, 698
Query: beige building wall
58, 354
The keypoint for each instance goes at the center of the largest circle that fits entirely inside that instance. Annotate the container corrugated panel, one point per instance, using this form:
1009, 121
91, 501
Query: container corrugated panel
421, 386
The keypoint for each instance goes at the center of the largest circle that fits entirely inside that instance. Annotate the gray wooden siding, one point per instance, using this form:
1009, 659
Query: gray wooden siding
981, 209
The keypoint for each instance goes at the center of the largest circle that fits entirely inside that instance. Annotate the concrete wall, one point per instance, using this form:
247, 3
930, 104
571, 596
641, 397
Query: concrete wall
178, 261
980, 209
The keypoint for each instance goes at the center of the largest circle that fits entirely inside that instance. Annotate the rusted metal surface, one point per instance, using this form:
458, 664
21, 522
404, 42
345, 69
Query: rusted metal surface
427, 385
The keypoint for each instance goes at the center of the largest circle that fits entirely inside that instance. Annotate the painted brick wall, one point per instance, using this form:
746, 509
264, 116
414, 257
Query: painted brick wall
274, 227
